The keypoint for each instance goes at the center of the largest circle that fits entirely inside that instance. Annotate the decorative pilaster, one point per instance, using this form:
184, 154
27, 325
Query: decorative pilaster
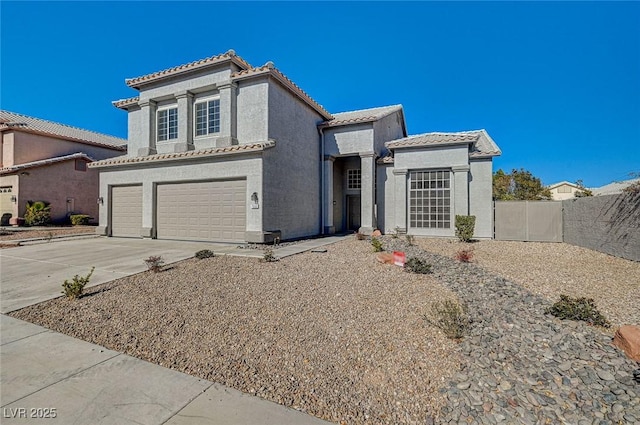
461, 189
329, 227
367, 195
185, 122
228, 114
400, 192
147, 133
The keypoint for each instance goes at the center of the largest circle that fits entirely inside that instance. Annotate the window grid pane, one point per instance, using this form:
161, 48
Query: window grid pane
162, 125
173, 123
354, 179
429, 200
201, 119
214, 116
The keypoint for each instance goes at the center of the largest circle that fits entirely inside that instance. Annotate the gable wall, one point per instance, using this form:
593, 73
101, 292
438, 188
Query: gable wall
387, 129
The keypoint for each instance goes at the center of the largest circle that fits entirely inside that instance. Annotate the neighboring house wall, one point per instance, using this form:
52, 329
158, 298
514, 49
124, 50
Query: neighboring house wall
292, 169
562, 191
57, 184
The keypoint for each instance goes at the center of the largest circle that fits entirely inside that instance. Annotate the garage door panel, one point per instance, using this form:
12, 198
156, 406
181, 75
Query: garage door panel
126, 211
202, 211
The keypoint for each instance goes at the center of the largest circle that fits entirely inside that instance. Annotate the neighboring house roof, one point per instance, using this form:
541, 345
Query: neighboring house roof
482, 145
228, 56
43, 162
270, 69
229, 150
555, 185
19, 122
613, 188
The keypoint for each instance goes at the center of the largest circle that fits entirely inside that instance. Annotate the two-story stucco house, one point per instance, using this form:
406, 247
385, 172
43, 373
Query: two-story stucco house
46, 161
219, 150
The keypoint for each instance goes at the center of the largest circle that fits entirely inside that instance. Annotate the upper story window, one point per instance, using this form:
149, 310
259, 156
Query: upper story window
207, 117
167, 124
354, 178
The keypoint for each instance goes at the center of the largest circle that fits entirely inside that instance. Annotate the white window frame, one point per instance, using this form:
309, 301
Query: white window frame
206, 101
354, 175
163, 109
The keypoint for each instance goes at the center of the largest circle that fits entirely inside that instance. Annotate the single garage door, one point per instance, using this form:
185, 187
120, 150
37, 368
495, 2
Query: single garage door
126, 211
202, 211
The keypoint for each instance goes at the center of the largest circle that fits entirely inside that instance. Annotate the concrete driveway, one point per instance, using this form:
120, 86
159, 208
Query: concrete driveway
34, 273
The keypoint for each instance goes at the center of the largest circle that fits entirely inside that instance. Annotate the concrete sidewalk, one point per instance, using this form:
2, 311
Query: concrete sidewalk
45, 373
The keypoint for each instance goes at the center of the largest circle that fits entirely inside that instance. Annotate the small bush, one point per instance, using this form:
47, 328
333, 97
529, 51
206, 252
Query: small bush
37, 213
417, 265
410, 240
360, 236
73, 289
376, 244
450, 317
464, 255
582, 309
154, 263
465, 224
269, 256
205, 253
79, 219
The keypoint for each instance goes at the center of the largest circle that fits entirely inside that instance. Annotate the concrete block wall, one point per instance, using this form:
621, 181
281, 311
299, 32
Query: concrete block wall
609, 224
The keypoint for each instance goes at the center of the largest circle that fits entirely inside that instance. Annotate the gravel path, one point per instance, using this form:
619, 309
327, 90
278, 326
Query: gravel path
340, 336
551, 269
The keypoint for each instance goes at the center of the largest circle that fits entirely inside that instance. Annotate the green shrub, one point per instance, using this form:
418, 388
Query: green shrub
582, 309
465, 225
37, 213
417, 265
79, 219
376, 244
269, 256
450, 317
73, 289
410, 240
205, 253
154, 263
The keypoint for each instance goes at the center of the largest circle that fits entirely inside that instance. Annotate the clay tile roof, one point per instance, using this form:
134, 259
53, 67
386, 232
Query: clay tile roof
270, 69
230, 56
42, 162
228, 150
482, 145
387, 159
19, 122
361, 116
124, 103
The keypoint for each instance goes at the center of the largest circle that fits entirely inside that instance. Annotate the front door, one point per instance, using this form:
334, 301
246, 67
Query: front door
353, 212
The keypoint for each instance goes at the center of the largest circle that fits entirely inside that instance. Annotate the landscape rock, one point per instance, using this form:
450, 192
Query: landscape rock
627, 338
376, 233
385, 258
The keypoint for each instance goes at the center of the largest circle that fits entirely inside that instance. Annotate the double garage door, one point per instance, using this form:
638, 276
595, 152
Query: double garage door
202, 211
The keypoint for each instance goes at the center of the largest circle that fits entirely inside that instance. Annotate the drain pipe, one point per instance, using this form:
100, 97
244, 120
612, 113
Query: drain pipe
322, 196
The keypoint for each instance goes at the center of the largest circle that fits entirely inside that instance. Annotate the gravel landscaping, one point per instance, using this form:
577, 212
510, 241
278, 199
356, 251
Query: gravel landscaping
341, 336
12, 234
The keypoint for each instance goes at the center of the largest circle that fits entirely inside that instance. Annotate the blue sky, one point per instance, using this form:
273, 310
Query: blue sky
557, 85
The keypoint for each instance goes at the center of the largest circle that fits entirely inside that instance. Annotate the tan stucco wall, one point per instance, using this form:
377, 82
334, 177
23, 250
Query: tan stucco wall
6, 206
556, 196
57, 182
6, 150
27, 147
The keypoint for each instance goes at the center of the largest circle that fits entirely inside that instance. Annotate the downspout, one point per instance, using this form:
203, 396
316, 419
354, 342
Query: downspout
322, 200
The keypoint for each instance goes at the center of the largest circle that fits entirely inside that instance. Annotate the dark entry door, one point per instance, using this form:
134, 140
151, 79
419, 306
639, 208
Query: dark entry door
353, 212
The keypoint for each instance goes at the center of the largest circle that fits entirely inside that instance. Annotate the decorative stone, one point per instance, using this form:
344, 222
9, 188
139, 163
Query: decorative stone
627, 338
385, 257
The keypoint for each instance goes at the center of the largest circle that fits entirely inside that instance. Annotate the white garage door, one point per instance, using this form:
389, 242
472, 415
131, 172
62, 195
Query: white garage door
203, 211
126, 211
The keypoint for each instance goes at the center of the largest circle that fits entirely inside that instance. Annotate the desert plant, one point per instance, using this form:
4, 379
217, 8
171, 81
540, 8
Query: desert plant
417, 265
464, 255
450, 317
154, 263
582, 309
411, 240
465, 225
269, 256
360, 236
204, 253
73, 289
376, 244
37, 213
79, 219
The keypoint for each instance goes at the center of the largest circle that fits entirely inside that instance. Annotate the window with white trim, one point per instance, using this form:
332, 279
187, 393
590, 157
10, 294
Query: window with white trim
167, 124
354, 179
430, 199
207, 117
